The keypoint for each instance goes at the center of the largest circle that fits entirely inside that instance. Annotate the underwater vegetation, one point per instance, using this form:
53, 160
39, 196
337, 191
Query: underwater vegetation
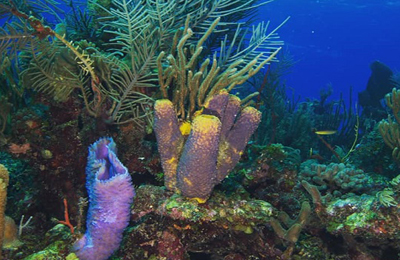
215, 159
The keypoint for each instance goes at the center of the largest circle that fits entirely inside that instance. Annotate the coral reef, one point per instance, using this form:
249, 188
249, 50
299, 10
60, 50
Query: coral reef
204, 79
271, 174
192, 227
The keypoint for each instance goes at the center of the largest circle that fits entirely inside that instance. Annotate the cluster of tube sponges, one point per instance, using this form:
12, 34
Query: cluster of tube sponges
198, 155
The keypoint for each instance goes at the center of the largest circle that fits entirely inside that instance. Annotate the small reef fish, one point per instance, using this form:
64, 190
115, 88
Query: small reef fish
326, 132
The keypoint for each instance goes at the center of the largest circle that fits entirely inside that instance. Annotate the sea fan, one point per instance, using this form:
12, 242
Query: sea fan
13, 38
142, 29
133, 72
53, 70
262, 42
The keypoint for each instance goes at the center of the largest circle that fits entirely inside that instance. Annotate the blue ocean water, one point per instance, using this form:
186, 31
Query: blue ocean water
334, 42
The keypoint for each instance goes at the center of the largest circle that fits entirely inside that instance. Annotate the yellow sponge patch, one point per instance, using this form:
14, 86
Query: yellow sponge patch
162, 103
185, 128
206, 123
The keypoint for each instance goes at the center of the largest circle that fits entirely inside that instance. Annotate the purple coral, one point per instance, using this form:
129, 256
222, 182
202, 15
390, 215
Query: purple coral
111, 193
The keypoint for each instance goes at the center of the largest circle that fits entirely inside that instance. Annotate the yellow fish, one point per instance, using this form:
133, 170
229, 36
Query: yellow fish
326, 132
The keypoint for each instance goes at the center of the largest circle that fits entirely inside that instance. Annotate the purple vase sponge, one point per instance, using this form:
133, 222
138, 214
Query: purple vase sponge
110, 193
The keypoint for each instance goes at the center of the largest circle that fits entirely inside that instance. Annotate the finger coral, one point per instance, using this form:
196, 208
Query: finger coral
218, 135
336, 177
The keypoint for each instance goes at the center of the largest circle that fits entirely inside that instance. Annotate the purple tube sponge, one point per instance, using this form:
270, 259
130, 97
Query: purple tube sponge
219, 132
197, 165
169, 138
111, 193
233, 143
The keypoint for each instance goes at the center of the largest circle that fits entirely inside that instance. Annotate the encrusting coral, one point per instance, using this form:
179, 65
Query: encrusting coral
184, 226
217, 138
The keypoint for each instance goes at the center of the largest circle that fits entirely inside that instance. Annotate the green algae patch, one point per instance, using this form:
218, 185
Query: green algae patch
333, 227
59, 248
352, 213
360, 220
246, 229
72, 256
50, 252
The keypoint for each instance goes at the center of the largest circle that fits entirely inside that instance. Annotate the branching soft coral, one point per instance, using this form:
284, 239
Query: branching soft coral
131, 35
390, 129
42, 46
142, 31
188, 86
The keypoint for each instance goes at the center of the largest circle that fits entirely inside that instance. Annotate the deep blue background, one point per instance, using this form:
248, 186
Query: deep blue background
335, 41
